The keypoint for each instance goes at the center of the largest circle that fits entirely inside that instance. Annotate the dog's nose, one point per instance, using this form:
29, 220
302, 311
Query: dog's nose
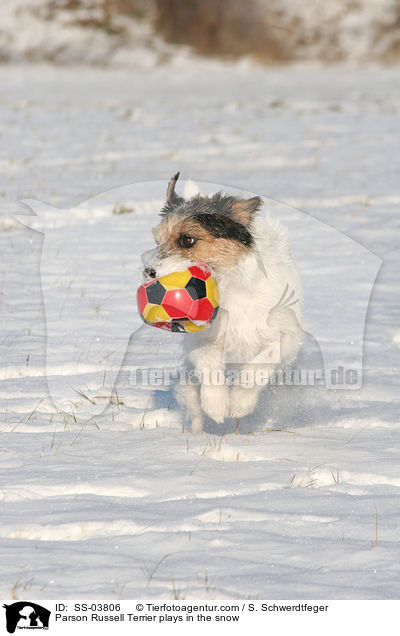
150, 272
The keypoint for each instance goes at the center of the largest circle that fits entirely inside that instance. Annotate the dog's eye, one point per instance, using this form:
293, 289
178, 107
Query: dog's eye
186, 241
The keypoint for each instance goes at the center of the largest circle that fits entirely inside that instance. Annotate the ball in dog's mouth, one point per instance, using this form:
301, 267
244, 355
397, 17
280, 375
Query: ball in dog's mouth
185, 301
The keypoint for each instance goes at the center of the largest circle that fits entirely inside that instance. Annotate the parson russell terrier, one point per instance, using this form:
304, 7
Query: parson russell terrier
258, 326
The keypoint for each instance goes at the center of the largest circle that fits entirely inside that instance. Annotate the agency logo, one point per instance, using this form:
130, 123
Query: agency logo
26, 615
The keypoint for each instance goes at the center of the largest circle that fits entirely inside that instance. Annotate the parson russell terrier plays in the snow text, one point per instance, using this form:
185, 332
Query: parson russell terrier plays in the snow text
258, 325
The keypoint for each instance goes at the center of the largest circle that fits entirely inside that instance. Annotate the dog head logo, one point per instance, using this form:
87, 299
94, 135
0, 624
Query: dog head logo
91, 267
26, 615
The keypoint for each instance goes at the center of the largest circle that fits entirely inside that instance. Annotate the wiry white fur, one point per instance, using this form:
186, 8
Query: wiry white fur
252, 328
257, 326
191, 189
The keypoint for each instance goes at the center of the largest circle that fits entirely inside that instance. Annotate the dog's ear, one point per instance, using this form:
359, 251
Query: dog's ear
172, 197
244, 209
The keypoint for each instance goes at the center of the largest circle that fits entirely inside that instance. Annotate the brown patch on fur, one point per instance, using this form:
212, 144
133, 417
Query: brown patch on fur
220, 253
243, 210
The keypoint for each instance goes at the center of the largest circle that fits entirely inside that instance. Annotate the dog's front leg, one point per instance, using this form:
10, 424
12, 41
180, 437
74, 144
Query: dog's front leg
188, 396
252, 378
214, 396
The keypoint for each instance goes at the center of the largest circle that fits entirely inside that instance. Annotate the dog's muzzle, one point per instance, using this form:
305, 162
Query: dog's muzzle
148, 260
149, 272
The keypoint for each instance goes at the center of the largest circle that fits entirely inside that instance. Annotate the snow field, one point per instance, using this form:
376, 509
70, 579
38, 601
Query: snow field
302, 502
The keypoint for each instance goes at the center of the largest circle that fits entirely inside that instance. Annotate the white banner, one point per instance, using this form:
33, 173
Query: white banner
177, 616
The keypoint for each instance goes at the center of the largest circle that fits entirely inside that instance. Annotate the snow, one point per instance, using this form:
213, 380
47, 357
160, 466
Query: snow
301, 500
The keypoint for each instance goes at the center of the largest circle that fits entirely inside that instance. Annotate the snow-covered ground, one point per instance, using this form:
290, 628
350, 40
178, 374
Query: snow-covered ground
302, 502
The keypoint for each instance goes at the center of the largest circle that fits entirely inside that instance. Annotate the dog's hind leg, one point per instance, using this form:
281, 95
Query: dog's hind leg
285, 320
244, 395
188, 396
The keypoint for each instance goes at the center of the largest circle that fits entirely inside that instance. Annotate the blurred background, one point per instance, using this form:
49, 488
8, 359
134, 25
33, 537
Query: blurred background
127, 32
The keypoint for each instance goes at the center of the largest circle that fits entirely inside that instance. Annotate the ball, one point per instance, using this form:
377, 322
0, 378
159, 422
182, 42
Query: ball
186, 301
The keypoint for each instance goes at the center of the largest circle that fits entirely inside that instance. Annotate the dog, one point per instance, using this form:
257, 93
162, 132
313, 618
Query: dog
258, 327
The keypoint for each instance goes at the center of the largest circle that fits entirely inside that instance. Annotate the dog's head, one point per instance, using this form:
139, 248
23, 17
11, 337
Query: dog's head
215, 230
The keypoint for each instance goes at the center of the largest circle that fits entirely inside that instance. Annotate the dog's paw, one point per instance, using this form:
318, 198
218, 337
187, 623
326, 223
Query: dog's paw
215, 402
242, 401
